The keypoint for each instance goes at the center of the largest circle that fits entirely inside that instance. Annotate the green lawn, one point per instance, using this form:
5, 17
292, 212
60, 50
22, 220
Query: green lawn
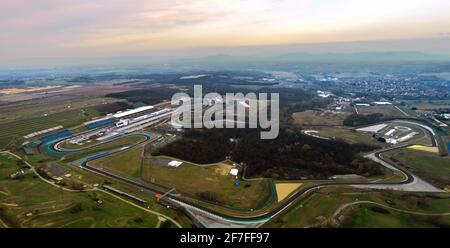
30, 202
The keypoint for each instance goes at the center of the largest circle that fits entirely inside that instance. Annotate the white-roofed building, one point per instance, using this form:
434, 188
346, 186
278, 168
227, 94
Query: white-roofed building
132, 111
174, 163
382, 103
234, 172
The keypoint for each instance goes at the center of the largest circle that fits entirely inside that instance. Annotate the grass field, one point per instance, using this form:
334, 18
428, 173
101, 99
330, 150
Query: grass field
212, 183
428, 104
312, 117
30, 202
350, 136
70, 146
318, 208
387, 110
428, 165
126, 163
49, 106
370, 216
117, 143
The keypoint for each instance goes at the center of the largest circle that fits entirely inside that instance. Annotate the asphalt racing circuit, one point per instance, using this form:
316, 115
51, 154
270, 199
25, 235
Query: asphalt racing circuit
212, 218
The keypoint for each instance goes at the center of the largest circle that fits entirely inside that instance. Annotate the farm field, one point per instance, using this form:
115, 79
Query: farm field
317, 209
9, 91
211, 183
312, 117
15, 130
430, 166
21, 118
428, 104
30, 202
27, 109
126, 163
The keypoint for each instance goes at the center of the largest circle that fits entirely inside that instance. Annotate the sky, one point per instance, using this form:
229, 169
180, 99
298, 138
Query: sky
83, 28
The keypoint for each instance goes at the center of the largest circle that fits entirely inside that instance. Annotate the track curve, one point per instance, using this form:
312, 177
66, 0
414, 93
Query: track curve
410, 178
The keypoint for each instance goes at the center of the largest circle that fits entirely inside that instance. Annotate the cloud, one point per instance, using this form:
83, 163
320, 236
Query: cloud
61, 27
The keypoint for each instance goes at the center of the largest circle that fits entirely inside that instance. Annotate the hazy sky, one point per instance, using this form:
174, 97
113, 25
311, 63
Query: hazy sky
52, 28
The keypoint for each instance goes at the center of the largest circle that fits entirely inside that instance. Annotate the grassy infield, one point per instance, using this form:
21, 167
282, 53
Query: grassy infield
429, 163
118, 143
190, 179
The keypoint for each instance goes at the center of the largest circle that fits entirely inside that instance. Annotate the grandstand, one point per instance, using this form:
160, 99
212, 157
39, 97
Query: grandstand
37, 133
100, 123
55, 136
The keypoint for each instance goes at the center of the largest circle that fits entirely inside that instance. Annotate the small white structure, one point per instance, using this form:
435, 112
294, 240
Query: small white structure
323, 94
382, 103
122, 123
390, 132
234, 172
407, 137
391, 141
119, 115
174, 163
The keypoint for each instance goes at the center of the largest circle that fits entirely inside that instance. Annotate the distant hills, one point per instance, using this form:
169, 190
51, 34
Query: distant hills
367, 56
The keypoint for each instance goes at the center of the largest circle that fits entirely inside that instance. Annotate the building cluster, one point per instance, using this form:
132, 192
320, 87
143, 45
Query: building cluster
388, 85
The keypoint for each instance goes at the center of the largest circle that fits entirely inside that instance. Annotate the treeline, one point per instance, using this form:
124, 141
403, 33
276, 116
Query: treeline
112, 107
201, 146
147, 96
290, 156
307, 104
359, 120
